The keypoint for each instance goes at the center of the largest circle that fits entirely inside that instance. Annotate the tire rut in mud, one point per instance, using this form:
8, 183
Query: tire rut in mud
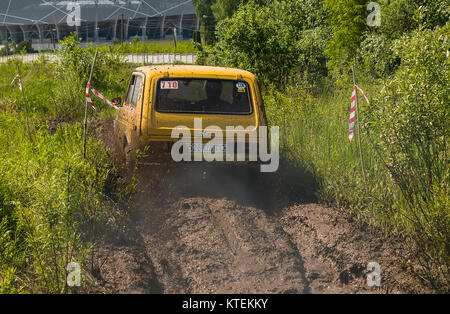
219, 228
201, 240
221, 247
337, 250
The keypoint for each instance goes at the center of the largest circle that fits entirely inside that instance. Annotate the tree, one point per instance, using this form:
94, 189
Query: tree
205, 15
274, 40
410, 124
210, 12
347, 19
225, 8
24, 46
399, 17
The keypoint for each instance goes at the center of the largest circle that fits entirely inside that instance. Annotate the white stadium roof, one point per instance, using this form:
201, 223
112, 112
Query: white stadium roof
26, 12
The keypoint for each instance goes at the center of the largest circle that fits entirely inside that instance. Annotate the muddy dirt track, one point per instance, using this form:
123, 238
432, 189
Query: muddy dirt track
225, 228
221, 228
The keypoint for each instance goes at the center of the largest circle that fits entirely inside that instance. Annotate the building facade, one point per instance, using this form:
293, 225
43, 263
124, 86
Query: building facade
44, 21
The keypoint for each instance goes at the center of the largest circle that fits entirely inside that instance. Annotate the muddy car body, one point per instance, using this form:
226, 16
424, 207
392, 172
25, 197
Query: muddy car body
160, 99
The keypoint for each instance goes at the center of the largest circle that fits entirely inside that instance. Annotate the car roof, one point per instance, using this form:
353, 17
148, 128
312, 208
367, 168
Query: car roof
194, 71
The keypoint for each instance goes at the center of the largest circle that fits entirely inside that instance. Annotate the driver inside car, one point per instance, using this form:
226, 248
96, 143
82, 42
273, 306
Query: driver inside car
213, 102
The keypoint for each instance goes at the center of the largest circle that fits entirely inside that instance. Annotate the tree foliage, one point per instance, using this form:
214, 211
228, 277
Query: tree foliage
411, 122
347, 20
225, 8
210, 12
274, 40
353, 38
399, 17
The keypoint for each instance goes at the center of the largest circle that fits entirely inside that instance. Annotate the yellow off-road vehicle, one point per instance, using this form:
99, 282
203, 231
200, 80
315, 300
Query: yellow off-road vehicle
164, 102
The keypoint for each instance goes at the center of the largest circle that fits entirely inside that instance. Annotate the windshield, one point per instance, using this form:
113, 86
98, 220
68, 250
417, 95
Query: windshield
190, 95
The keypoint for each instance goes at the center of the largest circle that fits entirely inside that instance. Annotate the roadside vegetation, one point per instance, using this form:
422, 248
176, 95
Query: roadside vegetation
303, 52
135, 45
11, 48
52, 200
132, 46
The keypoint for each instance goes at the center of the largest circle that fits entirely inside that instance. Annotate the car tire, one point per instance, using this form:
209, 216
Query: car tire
129, 159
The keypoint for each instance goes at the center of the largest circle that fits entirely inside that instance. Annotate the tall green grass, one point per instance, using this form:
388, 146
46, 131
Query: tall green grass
50, 198
404, 142
314, 133
59, 95
404, 145
167, 46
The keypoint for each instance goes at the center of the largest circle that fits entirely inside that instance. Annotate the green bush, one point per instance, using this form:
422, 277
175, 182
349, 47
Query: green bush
410, 121
272, 41
21, 48
377, 54
78, 61
8, 49
24, 47
400, 17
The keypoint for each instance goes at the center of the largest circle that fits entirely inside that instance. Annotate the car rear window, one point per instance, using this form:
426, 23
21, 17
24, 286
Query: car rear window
194, 95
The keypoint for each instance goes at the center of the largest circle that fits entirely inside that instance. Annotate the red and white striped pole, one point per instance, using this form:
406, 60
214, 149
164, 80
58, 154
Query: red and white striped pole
25, 104
86, 107
351, 122
355, 102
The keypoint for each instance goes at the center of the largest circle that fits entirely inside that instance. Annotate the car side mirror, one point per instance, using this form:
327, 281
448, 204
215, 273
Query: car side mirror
117, 101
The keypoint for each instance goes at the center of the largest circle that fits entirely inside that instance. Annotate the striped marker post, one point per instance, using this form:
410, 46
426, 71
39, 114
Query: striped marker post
17, 77
25, 104
86, 106
352, 122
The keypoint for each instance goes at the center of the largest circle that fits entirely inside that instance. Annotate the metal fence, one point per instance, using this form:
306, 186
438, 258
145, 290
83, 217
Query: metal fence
161, 58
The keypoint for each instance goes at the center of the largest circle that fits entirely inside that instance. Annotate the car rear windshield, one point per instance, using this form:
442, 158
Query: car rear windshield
204, 96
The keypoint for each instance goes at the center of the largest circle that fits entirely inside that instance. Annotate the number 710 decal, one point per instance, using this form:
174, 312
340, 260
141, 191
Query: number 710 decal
169, 84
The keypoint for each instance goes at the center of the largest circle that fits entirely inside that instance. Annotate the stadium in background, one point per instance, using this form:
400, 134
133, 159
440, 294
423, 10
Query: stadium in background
45, 22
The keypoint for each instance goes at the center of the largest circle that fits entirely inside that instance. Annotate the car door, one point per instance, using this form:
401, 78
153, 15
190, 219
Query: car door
130, 110
128, 115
